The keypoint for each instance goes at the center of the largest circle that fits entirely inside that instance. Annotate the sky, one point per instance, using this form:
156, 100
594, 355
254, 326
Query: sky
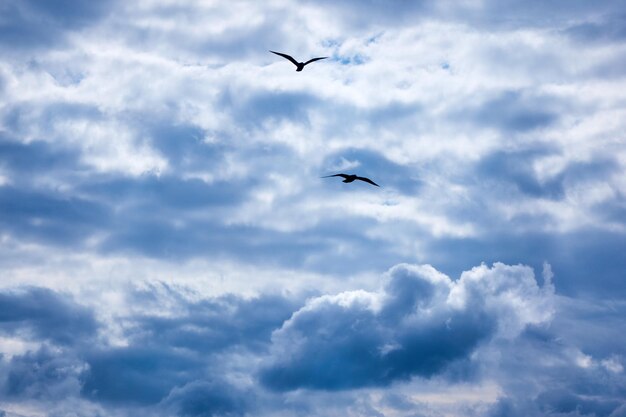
169, 248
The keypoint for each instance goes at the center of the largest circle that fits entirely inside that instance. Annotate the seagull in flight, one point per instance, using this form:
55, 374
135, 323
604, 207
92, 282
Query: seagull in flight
300, 65
350, 178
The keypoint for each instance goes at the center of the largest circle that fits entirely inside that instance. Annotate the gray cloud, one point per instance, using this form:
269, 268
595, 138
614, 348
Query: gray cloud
419, 325
208, 399
611, 28
197, 357
39, 23
45, 315
42, 375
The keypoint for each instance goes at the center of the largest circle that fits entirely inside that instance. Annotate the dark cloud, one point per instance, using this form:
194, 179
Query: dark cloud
514, 111
137, 374
217, 324
260, 107
182, 349
42, 23
184, 146
208, 399
412, 329
518, 168
45, 315
28, 163
180, 358
578, 324
175, 362
50, 217
557, 403
164, 193
42, 374
159, 217
162, 238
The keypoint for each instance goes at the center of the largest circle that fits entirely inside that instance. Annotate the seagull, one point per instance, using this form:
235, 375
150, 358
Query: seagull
350, 178
300, 65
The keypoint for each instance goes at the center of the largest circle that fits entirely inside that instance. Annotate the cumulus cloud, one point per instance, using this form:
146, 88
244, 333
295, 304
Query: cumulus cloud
176, 352
420, 323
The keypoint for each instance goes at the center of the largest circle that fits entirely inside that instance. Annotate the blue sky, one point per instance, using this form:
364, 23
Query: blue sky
168, 248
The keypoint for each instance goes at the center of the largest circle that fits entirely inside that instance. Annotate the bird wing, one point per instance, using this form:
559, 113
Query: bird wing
367, 180
286, 57
336, 175
314, 59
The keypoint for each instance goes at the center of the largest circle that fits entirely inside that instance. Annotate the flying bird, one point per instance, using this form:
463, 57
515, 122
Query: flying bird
299, 65
350, 178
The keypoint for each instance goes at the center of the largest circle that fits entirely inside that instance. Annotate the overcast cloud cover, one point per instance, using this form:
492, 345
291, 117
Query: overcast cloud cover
168, 248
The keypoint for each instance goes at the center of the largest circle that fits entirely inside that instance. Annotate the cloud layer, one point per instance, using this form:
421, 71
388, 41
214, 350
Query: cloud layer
168, 354
168, 247
420, 324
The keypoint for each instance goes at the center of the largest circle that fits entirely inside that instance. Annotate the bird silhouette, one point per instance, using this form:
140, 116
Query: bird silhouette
299, 65
350, 178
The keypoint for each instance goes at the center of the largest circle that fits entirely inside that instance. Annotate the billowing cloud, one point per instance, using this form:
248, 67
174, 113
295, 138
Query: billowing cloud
418, 325
170, 351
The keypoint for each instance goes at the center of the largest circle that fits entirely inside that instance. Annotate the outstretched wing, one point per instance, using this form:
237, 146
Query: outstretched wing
336, 175
314, 59
367, 180
286, 57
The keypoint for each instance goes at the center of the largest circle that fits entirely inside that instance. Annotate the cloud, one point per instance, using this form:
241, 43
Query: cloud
175, 352
196, 340
43, 375
417, 326
376, 166
168, 361
28, 162
268, 107
136, 374
373, 12
557, 403
50, 217
217, 324
42, 314
575, 256
161, 141
512, 111
37, 24
207, 399
611, 28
